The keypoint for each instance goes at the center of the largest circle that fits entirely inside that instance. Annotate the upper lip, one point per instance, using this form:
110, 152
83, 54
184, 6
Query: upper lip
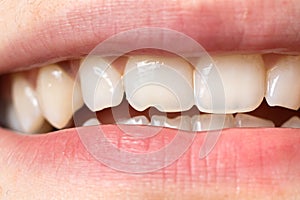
66, 33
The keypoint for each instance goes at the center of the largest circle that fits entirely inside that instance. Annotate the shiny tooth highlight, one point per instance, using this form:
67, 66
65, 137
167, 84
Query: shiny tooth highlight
161, 82
26, 105
293, 122
57, 92
283, 82
236, 84
101, 84
137, 120
245, 120
180, 122
208, 122
91, 122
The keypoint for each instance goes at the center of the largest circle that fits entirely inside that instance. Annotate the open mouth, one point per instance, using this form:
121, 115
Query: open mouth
56, 92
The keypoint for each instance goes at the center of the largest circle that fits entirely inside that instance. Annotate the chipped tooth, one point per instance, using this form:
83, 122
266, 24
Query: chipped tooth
180, 122
162, 82
91, 122
207, 122
244, 120
241, 86
26, 105
55, 93
293, 122
283, 82
137, 120
101, 84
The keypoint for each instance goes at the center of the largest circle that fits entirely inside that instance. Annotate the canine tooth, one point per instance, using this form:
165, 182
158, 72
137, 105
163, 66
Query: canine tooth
236, 84
101, 84
55, 93
26, 105
207, 122
91, 122
293, 122
137, 120
244, 120
162, 82
11, 118
180, 122
283, 83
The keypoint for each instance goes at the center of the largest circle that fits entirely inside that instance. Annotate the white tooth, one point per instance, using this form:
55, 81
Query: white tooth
244, 120
236, 84
283, 83
26, 104
293, 122
137, 120
55, 93
11, 118
206, 122
91, 122
101, 84
180, 122
162, 82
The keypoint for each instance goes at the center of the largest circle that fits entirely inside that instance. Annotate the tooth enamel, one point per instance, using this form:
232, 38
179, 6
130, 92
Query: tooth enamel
137, 120
91, 122
26, 105
180, 122
162, 82
283, 83
244, 120
100, 83
293, 122
240, 89
11, 118
55, 93
206, 122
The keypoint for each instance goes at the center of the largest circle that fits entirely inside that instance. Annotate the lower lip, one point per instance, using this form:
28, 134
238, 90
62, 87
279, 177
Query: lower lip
269, 157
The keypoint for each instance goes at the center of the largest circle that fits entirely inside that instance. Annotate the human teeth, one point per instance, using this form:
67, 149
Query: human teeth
100, 83
91, 122
236, 84
137, 120
26, 105
244, 120
206, 122
55, 93
283, 83
11, 118
293, 122
180, 122
162, 82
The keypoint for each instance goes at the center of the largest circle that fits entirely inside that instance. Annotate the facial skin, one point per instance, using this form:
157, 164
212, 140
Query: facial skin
245, 164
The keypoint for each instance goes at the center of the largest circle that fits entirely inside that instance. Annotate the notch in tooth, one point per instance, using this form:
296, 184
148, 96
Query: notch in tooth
283, 82
162, 82
208, 122
236, 84
26, 105
55, 93
180, 122
244, 120
293, 122
101, 84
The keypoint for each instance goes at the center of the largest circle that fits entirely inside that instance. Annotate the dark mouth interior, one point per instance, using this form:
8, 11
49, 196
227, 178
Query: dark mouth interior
110, 115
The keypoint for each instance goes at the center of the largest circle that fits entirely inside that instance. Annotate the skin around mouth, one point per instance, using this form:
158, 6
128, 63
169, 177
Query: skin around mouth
245, 163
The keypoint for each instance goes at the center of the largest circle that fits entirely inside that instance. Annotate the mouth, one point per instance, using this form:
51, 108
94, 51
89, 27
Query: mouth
51, 95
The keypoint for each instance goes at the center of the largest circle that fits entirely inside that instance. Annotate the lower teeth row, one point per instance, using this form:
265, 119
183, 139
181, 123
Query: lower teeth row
46, 103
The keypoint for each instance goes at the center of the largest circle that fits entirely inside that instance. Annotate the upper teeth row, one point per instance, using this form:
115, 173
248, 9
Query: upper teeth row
169, 84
